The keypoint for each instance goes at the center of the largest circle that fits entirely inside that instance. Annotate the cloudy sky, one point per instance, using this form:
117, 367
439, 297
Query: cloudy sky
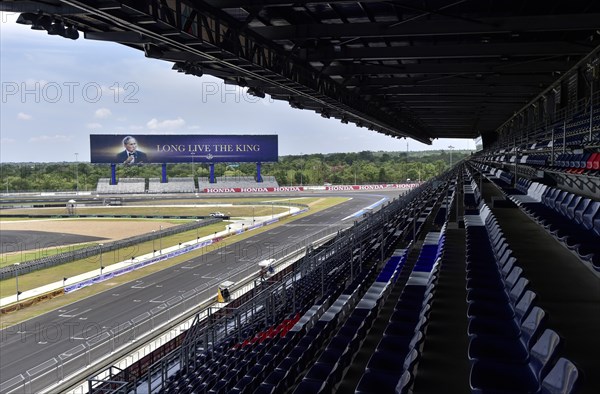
55, 92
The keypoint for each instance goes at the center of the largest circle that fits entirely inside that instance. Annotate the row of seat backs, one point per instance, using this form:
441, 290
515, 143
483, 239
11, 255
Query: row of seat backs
423, 275
563, 375
590, 161
582, 210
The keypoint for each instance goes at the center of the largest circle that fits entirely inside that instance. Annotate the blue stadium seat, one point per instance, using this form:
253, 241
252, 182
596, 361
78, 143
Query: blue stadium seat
500, 348
516, 377
562, 379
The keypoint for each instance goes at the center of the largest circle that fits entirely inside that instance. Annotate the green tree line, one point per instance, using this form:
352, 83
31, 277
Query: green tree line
311, 169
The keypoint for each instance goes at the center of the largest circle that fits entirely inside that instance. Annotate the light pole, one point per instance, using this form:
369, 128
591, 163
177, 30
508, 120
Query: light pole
17, 280
193, 173
252, 215
197, 227
301, 168
160, 239
406, 159
76, 174
101, 265
450, 147
153, 240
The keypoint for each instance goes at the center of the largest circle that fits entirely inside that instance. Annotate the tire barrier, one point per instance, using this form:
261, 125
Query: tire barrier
31, 301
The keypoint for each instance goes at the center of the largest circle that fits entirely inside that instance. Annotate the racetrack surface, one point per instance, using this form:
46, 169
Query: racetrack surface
22, 240
58, 334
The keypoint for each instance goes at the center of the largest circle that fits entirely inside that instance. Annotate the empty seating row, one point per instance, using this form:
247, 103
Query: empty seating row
594, 138
328, 370
472, 195
444, 210
314, 336
215, 369
509, 347
392, 366
124, 186
578, 163
572, 219
174, 185
244, 366
500, 177
537, 160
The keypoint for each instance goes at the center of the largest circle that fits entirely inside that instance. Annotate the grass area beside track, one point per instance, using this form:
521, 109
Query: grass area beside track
8, 286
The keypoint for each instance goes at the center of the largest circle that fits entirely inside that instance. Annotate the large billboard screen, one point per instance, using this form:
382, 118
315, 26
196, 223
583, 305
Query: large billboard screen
153, 148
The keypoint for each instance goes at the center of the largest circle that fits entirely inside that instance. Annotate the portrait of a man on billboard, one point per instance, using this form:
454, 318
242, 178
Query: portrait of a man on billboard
131, 154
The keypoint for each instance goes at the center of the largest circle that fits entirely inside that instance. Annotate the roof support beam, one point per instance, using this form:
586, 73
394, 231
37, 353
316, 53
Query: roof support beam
466, 51
432, 27
455, 89
410, 70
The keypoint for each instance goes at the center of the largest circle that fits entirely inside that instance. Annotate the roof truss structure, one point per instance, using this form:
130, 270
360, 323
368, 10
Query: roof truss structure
421, 69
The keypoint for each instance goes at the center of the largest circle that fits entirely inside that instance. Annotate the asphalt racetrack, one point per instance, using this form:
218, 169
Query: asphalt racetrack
54, 339
20, 240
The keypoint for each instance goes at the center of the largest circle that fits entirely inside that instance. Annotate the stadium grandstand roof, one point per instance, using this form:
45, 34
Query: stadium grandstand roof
422, 69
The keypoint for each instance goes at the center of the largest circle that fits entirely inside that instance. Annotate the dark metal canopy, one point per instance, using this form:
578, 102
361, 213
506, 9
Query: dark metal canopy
423, 69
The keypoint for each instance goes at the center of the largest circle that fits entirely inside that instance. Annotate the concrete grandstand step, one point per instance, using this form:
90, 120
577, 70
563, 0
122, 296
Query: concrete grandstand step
444, 366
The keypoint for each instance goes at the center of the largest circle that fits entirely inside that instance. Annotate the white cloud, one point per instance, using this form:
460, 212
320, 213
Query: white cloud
34, 86
7, 141
93, 126
102, 113
165, 125
23, 116
115, 91
50, 138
